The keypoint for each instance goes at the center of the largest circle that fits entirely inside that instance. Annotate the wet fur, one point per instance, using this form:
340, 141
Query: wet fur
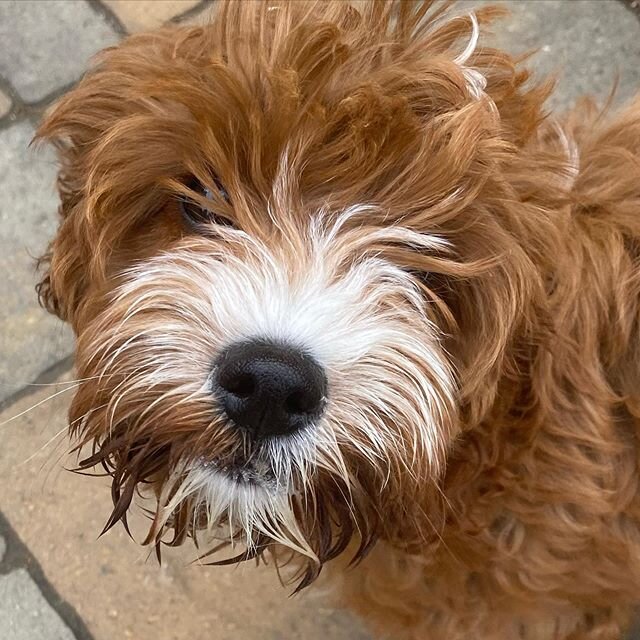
516, 513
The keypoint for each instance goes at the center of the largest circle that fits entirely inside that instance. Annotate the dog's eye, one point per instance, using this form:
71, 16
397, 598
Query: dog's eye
195, 214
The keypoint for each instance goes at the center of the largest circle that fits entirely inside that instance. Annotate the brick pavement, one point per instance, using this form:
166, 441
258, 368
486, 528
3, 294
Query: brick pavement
57, 581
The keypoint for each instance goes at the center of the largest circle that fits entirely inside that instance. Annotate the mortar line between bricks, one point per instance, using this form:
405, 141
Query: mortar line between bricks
39, 106
18, 556
18, 107
201, 6
44, 102
48, 376
31, 111
112, 20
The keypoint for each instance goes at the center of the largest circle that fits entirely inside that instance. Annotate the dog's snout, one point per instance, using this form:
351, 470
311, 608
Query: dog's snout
269, 389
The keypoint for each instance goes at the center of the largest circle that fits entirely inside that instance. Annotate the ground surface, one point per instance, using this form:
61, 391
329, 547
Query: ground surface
57, 579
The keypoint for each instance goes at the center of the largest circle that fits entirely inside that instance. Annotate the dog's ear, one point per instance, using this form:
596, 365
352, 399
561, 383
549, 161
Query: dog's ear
96, 129
75, 126
64, 265
482, 296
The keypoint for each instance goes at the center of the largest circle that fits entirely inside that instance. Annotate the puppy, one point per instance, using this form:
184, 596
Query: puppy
345, 294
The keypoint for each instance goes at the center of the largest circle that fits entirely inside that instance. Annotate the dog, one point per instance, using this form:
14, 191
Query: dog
347, 296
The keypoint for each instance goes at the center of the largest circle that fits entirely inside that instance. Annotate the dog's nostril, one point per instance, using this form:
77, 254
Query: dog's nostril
302, 402
269, 389
242, 385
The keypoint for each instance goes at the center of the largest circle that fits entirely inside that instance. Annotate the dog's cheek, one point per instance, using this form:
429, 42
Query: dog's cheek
154, 234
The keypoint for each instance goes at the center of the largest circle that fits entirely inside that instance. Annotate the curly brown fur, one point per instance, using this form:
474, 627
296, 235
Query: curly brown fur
467, 269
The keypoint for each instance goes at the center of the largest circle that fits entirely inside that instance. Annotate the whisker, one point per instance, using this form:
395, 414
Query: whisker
37, 404
44, 446
444, 497
22, 385
55, 465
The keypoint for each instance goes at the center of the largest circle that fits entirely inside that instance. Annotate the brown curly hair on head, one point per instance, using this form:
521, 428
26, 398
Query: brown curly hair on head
365, 184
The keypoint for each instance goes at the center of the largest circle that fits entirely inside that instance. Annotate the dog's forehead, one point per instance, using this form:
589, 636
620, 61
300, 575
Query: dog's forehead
297, 107
318, 110
265, 134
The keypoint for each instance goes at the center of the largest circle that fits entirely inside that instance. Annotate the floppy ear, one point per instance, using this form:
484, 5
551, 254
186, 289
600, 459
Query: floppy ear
64, 264
75, 125
93, 129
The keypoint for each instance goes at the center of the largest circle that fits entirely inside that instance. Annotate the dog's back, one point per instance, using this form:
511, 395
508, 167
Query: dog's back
542, 540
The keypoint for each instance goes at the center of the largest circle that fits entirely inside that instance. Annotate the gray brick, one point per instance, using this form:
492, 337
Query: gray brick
586, 41
140, 15
46, 45
25, 614
30, 339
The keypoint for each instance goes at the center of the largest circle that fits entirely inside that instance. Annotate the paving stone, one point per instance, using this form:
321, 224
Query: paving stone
138, 15
587, 42
46, 45
5, 104
59, 515
201, 17
30, 340
25, 614
3, 548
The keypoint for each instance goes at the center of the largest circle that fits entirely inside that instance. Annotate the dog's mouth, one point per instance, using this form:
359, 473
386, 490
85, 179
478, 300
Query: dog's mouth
243, 472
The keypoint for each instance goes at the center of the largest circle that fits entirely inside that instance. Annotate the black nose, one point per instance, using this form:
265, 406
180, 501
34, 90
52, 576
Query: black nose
269, 389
